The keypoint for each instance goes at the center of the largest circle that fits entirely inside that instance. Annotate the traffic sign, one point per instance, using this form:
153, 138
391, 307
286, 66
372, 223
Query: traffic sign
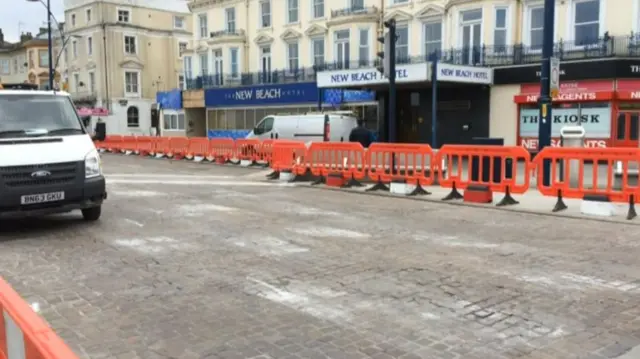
554, 79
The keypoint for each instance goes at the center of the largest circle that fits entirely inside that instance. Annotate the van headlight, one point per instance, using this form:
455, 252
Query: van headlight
92, 165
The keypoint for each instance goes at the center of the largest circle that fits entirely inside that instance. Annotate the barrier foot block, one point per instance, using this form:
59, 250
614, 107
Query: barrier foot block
478, 194
378, 187
507, 200
560, 205
419, 191
632, 209
320, 180
273, 175
454, 194
335, 180
352, 182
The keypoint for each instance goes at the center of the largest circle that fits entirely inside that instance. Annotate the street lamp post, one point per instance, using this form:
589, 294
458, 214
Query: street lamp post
544, 125
49, 40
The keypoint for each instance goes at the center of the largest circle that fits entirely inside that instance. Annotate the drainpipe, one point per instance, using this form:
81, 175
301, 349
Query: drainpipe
246, 42
104, 54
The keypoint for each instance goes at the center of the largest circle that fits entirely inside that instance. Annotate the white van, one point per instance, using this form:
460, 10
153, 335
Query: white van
48, 162
310, 127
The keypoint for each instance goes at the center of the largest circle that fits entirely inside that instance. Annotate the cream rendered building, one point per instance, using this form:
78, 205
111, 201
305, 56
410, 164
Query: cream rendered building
119, 53
26, 60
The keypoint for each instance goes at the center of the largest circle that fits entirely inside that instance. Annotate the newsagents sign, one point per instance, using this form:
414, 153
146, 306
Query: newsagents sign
465, 74
371, 76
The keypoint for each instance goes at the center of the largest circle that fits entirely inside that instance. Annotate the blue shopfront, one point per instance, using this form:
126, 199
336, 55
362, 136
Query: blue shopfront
233, 112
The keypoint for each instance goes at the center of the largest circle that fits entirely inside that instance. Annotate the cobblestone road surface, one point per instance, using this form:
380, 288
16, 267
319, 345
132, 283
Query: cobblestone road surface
197, 261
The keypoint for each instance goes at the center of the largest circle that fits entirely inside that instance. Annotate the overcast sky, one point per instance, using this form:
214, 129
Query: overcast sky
24, 16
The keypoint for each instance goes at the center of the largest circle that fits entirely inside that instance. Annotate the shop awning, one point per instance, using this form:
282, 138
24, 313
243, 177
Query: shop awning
571, 91
88, 111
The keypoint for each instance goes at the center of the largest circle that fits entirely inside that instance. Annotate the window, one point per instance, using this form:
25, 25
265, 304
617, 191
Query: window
536, 24
293, 57
131, 83
292, 11
73, 19
399, 1
178, 22
181, 82
342, 48
233, 59
182, 47
203, 26
318, 51
500, 30
586, 20
230, 14
204, 63
218, 67
89, 46
130, 45
363, 53
15, 66
188, 67
357, 4
174, 121
124, 15
265, 64
66, 56
471, 30
5, 67
43, 58
265, 13
402, 43
74, 49
264, 126
88, 15
133, 117
76, 82
432, 38
318, 8
92, 82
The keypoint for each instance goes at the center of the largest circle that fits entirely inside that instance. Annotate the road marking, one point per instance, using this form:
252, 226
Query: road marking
200, 209
194, 182
162, 175
153, 245
135, 223
270, 246
329, 232
135, 193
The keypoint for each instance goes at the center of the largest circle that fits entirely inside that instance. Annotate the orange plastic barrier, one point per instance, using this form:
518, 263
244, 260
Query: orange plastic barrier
413, 163
22, 329
163, 146
589, 172
198, 147
222, 150
264, 153
461, 161
113, 143
129, 143
247, 149
345, 158
178, 147
146, 145
287, 155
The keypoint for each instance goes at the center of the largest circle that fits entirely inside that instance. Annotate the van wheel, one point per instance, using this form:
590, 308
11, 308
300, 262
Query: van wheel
92, 214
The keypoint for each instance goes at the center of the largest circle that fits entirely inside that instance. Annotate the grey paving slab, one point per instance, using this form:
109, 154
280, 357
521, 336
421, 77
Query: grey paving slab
198, 261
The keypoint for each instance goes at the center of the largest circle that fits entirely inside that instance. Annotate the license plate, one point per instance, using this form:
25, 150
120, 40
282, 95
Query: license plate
42, 198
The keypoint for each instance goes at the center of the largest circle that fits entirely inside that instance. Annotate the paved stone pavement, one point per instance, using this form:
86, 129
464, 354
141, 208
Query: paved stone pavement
198, 261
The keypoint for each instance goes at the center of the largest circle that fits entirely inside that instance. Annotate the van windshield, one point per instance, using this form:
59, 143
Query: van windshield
37, 115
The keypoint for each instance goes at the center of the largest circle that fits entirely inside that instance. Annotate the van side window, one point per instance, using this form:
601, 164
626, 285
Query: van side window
264, 126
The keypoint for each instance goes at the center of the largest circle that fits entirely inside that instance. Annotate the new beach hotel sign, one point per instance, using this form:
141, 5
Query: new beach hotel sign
410, 73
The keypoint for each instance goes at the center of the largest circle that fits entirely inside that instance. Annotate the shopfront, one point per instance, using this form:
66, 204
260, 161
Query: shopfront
462, 100
601, 96
233, 112
169, 117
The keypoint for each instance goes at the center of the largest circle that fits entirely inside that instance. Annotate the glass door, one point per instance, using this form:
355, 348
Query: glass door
265, 64
217, 67
626, 129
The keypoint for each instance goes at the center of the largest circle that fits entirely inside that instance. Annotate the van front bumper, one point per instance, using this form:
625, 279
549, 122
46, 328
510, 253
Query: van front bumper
90, 193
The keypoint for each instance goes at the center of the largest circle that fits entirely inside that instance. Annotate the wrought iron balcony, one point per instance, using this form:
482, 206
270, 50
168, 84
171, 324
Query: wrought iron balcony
227, 35
354, 13
623, 46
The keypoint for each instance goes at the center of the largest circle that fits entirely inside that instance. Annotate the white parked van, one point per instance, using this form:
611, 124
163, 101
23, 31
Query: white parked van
310, 127
48, 162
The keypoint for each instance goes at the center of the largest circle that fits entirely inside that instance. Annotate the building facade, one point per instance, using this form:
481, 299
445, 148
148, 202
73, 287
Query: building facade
488, 54
26, 60
120, 53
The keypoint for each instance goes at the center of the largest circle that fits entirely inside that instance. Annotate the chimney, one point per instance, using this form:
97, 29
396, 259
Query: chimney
1, 38
26, 37
42, 30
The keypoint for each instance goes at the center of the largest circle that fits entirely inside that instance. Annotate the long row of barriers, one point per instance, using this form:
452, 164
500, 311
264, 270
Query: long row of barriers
609, 174
23, 334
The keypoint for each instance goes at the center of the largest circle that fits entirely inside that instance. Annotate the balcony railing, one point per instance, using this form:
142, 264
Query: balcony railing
221, 33
490, 56
354, 10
